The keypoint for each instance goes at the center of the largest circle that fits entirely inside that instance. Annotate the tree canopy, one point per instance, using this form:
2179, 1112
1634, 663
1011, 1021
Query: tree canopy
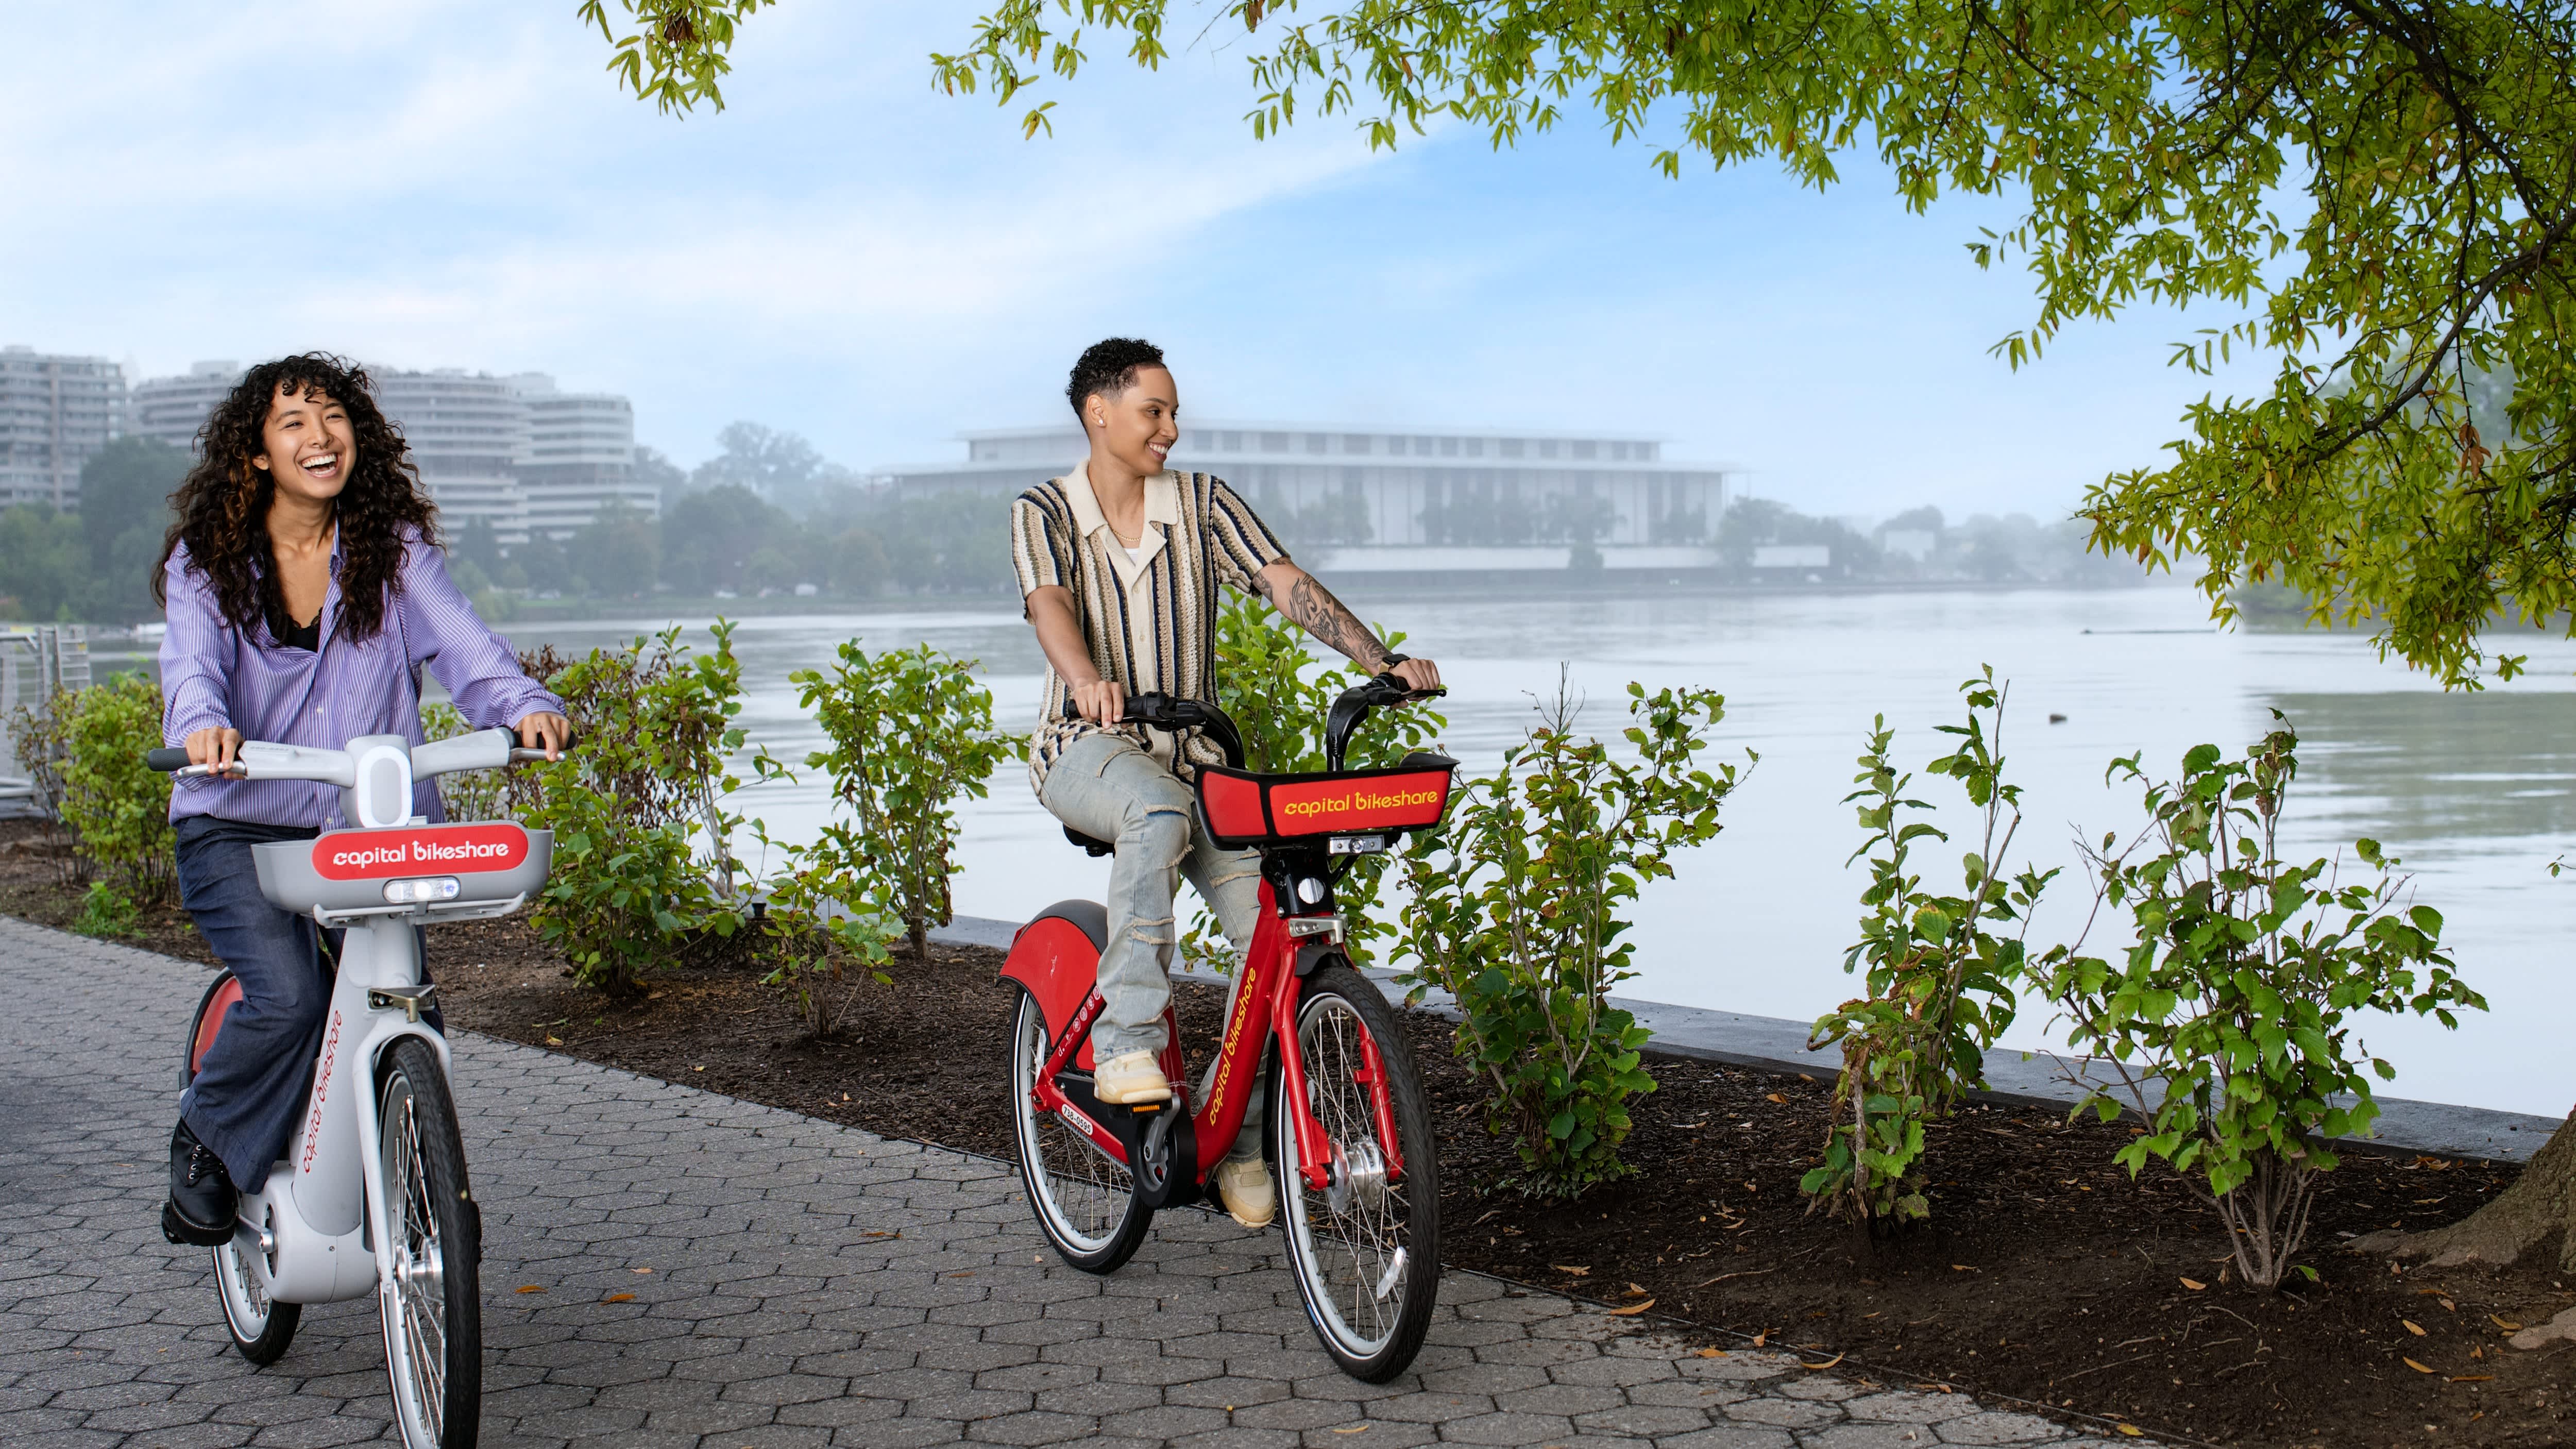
2377, 194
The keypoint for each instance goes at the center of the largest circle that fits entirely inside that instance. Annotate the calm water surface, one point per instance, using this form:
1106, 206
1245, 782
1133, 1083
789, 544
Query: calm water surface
2477, 793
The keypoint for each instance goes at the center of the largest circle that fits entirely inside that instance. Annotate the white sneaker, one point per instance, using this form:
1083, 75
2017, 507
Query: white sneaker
1130, 1078
1244, 1186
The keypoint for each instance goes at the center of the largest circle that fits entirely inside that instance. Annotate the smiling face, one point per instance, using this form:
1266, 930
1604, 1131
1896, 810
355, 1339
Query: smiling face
1138, 426
307, 445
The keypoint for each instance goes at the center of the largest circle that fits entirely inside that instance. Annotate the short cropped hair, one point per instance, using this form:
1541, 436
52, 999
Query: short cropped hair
1108, 367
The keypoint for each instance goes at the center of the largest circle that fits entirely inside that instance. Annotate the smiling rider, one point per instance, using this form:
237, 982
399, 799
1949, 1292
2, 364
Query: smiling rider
305, 590
1119, 562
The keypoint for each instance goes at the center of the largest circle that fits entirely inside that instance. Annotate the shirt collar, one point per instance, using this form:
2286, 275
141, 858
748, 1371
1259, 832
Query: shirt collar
1162, 499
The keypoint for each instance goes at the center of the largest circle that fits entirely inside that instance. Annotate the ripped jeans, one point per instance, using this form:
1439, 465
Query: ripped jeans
1107, 788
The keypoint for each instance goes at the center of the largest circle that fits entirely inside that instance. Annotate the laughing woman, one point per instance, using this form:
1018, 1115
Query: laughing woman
305, 589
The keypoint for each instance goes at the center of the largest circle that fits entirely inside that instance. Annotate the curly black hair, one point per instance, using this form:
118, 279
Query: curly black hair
222, 505
1108, 367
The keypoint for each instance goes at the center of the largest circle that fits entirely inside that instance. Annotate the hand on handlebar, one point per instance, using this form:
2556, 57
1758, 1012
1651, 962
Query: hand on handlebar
543, 730
214, 747
1103, 701
1419, 677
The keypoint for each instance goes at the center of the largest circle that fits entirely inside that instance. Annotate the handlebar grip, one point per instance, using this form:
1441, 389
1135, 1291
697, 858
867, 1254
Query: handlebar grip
166, 758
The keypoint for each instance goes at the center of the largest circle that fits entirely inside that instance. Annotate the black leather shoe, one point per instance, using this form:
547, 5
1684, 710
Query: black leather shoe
202, 1201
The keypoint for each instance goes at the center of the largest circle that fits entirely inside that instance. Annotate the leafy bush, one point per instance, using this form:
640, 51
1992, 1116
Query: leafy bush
105, 911
1277, 694
641, 836
36, 738
822, 938
2238, 997
1940, 979
467, 794
116, 807
1515, 914
910, 732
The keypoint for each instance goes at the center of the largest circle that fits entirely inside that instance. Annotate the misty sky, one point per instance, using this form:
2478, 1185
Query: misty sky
850, 255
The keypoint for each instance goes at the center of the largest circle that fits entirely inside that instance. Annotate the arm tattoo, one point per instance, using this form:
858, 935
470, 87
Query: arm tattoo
1332, 623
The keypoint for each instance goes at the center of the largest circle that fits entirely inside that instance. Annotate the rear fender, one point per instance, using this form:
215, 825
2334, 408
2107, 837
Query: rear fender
1056, 959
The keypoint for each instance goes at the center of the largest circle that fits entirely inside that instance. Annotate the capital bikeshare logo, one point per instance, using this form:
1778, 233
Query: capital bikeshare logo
378, 854
1359, 804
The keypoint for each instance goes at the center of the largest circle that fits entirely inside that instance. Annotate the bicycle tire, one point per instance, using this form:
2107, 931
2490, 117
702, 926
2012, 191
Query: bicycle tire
431, 1304
1086, 1205
260, 1326
1367, 1267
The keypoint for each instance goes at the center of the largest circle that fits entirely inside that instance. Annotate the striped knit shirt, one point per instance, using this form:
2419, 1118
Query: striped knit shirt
1151, 622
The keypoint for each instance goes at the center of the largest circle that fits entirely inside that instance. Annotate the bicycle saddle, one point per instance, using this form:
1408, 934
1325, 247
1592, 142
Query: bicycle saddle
1089, 845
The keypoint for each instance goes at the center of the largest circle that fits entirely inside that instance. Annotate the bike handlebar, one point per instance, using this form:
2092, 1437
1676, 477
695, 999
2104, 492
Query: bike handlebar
1353, 705
476, 751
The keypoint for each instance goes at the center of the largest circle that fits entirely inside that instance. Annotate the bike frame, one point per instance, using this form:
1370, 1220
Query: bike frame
1264, 1007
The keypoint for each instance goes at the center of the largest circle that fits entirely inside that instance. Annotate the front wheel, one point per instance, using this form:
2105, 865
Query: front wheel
431, 1299
1366, 1249
1086, 1203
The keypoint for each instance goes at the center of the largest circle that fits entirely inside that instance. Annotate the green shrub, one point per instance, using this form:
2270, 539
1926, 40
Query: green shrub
821, 936
1515, 913
36, 738
1940, 979
467, 794
1277, 694
2227, 1025
105, 911
642, 854
910, 733
116, 807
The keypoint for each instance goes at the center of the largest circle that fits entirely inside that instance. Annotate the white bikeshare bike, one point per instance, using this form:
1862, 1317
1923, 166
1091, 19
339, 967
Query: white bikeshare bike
373, 1196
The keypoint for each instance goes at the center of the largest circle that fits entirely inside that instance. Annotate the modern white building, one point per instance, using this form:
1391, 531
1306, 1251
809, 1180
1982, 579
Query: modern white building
56, 413
1414, 499
581, 457
515, 451
171, 409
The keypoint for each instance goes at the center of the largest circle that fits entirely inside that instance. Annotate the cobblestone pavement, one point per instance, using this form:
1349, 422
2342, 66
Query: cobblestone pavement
793, 1283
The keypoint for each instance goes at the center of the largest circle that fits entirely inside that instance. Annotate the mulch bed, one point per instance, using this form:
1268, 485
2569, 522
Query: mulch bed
2046, 1275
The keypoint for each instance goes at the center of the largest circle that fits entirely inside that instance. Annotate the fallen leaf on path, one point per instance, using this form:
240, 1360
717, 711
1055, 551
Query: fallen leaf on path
1828, 1363
618, 1298
1632, 1310
1712, 1353
1761, 1338
1569, 1270
2194, 1284
2506, 1326
1961, 1268
2417, 1367
1777, 1098
558, 1041
2132, 1430
2413, 1327
1354, 1429
532, 1288
1634, 1291
640, 1270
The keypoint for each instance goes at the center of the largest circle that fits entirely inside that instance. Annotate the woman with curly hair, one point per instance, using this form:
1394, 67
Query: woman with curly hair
306, 589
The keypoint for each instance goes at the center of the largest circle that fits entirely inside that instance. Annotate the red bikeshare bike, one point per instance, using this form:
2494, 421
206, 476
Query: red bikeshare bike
1349, 1136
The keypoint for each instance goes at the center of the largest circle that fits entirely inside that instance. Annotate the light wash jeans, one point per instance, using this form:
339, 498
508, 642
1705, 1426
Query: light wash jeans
1107, 788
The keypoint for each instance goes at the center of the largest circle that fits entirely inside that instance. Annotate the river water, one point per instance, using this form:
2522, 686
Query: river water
2476, 793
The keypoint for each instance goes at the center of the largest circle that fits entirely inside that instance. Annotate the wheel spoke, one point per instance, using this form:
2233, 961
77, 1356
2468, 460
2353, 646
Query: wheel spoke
1083, 1193
1352, 1249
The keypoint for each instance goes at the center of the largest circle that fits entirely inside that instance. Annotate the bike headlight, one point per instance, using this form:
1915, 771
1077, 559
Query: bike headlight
420, 890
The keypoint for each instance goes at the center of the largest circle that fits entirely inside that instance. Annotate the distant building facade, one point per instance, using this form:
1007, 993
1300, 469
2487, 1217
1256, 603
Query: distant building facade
56, 413
516, 452
171, 409
581, 457
1411, 498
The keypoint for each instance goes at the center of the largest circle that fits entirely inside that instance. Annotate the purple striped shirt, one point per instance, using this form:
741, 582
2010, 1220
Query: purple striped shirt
215, 673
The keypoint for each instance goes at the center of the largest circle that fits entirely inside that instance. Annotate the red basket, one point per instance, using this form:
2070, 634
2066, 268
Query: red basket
1242, 808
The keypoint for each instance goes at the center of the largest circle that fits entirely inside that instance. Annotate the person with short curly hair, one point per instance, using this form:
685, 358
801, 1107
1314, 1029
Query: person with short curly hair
306, 589
1119, 563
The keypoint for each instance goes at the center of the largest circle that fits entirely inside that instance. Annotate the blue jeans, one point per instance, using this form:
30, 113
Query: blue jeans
1105, 787
249, 1091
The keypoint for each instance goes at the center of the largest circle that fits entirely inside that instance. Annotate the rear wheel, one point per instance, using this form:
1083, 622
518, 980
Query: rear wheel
1086, 1203
431, 1301
1366, 1249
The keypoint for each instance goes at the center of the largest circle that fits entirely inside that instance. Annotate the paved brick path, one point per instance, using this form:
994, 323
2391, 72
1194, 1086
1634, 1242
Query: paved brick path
809, 1285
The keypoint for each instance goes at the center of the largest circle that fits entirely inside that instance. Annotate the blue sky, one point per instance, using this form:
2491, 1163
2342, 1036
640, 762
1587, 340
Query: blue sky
850, 255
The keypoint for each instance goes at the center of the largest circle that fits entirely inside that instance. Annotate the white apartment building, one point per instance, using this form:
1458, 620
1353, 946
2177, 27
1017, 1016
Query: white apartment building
171, 409
1414, 498
515, 451
581, 457
56, 413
